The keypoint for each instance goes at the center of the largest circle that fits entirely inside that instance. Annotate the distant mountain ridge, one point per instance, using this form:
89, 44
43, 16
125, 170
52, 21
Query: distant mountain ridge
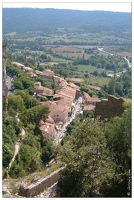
35, 19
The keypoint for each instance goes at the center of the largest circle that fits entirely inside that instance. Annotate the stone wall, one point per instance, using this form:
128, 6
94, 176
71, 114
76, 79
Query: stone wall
4, 84
109, 108
41, 185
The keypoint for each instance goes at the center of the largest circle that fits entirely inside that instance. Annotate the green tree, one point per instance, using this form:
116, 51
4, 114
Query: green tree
30, 101
111, 86
22, 93
43, 56
118, 136
28, 160
119, 88
16, 103
9, 136
34, 115
95, 73
87, 160
18, 84
48, 150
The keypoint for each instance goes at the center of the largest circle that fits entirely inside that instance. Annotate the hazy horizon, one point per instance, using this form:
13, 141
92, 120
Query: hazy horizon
90, 6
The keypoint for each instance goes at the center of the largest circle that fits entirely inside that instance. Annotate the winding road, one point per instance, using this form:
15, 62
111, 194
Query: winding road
101, 49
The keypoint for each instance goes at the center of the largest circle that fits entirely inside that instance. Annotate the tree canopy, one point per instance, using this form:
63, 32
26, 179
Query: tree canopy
97, 156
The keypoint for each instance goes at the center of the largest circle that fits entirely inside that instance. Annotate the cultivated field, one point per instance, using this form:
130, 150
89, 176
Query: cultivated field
88, 68
98, 81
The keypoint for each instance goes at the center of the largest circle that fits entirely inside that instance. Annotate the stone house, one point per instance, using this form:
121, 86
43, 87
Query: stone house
58, 113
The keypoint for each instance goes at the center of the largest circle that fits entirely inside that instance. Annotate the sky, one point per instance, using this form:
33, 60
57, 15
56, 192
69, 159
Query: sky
116, 6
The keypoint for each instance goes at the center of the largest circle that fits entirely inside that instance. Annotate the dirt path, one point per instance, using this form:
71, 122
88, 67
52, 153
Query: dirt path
17, 148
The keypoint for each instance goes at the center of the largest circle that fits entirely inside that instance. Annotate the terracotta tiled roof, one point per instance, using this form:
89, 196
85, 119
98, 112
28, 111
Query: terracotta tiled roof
90, 99
95, 87
47, 129
27, 68
63, 94
86, 95
17, 64
43, 90
54, 106
93, 100
50, 120
31, 74
51, 104
89, 107
48, 72
61, 108
38, 72
72, 85
65, 101
58, 79
57, 96
67, 91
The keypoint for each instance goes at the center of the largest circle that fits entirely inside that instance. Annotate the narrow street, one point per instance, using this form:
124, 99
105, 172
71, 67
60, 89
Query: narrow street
62, 132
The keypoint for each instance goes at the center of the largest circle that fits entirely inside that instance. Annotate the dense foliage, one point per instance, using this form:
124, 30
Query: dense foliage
98, 158
121, 86
10, 134
35, 150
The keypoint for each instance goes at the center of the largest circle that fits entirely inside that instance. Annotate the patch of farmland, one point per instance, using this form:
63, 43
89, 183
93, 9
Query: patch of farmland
86, 47
79, 80
62, 48
98, 81
124, 54
74, 55
88, 68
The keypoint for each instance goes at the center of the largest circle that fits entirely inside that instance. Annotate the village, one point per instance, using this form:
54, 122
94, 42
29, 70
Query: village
67, 102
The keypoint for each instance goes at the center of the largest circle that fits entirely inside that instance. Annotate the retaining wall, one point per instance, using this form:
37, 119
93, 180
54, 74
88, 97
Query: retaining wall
41, 185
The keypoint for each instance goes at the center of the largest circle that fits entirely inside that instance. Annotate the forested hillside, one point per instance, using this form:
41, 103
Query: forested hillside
26, 19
